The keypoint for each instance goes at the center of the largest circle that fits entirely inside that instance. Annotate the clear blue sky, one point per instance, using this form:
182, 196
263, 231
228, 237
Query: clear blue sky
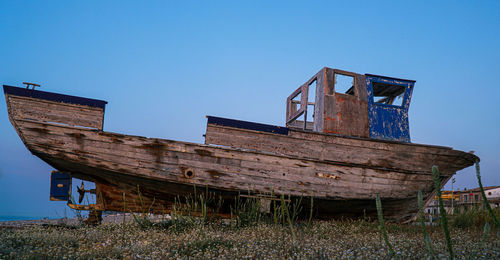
163, 66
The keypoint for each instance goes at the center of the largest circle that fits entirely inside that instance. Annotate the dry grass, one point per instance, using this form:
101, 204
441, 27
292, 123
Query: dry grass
322, 239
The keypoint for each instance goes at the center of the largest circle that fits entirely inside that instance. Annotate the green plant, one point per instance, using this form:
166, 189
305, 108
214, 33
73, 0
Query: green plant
382, 225
475, 218
311, 208
427, 239
247, 211
277, 216
195, 209
286, 212
442, 211
485, 200
180, 221
123, 223
143, 220
486, 230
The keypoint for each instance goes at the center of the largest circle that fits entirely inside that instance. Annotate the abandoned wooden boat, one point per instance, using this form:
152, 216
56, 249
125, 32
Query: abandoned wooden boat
340, 148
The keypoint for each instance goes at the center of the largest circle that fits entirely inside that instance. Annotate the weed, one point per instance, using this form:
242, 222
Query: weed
382, 225
486, 230
442, 211
142, 220
485, 200
247, 211
311, 208
473, 218
286, 212
427, 239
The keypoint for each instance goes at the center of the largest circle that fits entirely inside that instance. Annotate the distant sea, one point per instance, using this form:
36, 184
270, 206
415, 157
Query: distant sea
12, 218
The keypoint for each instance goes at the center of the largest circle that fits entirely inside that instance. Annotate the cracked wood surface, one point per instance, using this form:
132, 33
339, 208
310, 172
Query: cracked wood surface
56, 112
391, 156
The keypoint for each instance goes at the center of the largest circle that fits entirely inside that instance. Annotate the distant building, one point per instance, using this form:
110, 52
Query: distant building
493, 196
473, 198
460, 200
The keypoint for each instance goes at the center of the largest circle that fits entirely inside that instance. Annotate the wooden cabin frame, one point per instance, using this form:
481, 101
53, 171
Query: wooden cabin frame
355, 112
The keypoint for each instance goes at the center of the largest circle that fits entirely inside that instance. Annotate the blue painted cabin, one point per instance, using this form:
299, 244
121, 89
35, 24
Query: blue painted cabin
351, 104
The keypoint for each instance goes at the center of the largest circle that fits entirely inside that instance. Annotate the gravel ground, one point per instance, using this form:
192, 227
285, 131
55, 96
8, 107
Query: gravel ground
115, 218
167, 239
75, 222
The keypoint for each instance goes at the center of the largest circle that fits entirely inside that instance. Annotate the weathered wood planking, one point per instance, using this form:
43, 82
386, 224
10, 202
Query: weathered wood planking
223, 172
162, 191
398, 157
215, 167
57, 112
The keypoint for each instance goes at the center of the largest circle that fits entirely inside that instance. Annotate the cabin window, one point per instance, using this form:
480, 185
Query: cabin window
489, 193
344, 84
388, 94
296, 102
465, 197
311, 101
301, 106
476, 197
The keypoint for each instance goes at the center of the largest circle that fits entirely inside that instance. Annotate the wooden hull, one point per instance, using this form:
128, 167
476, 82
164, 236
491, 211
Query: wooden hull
342, 174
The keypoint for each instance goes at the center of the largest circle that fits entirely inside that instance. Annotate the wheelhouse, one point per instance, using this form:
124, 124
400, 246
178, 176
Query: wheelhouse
351, 104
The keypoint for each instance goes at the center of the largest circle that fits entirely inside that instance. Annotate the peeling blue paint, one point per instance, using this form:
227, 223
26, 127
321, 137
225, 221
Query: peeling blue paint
389, 122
